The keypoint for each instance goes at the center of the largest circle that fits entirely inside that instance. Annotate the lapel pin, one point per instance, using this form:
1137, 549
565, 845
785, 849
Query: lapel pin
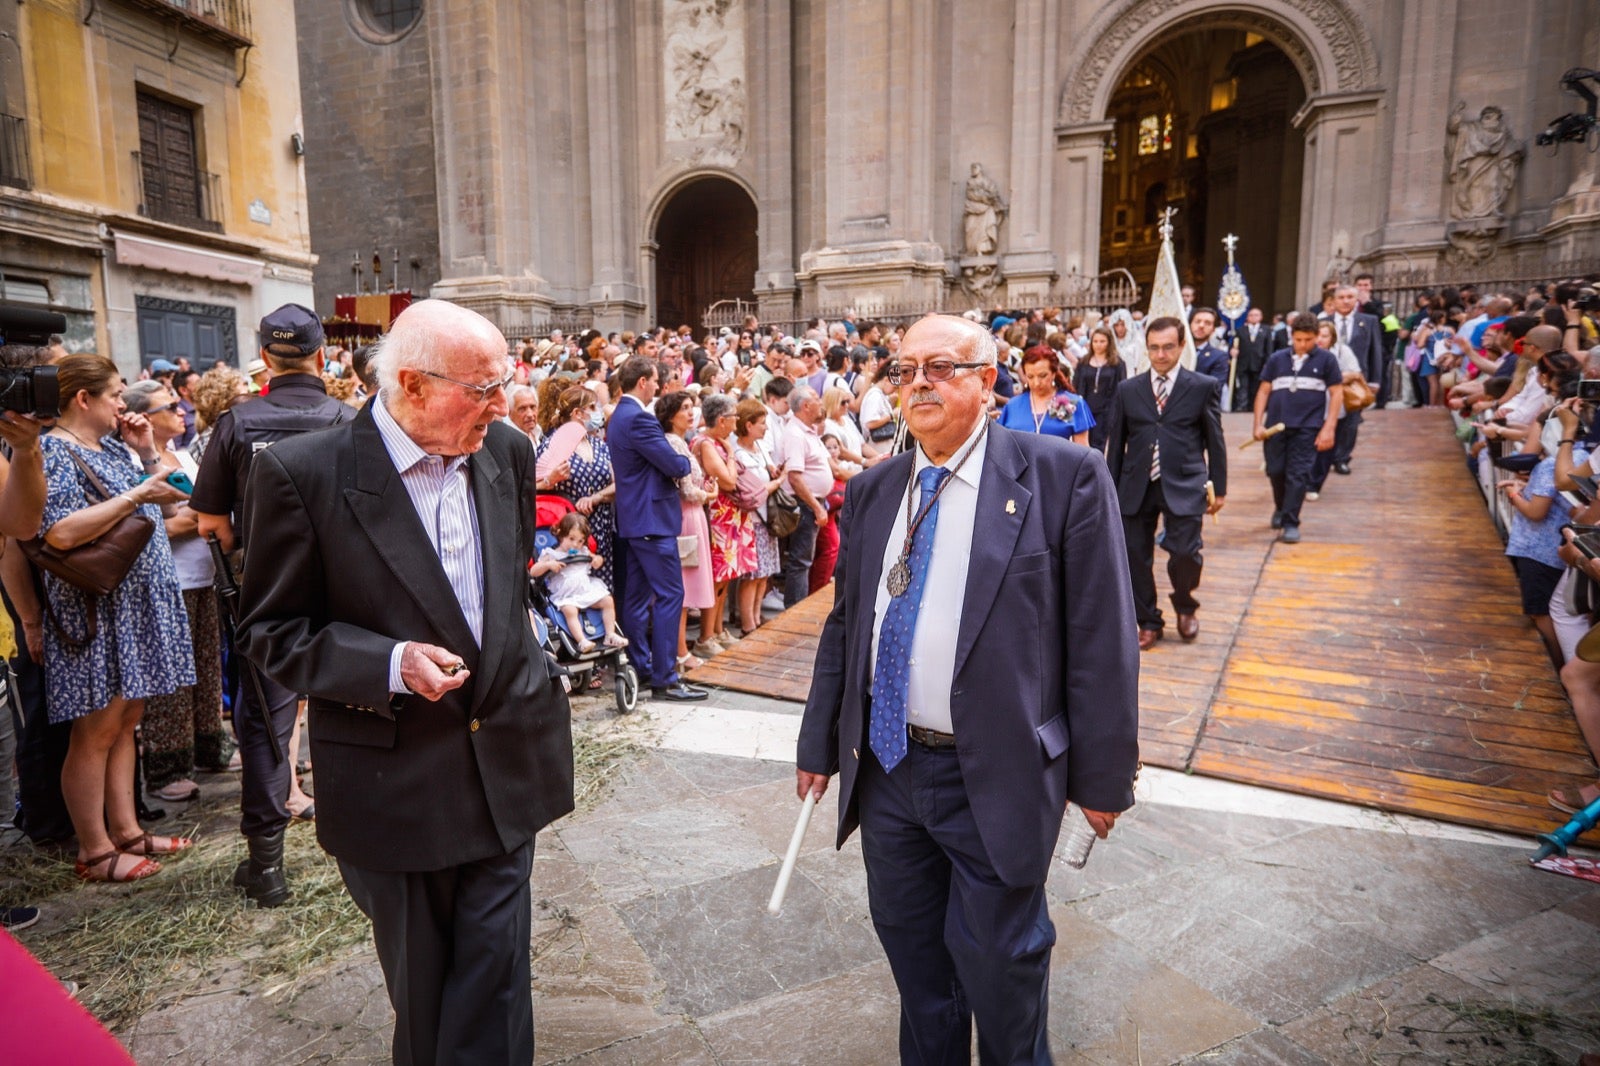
1011, 507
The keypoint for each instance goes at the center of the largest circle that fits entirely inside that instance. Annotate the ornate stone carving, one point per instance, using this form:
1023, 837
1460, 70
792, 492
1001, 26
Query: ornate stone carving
1355, 59
704, 80
980, 276
981, 217
1483, 162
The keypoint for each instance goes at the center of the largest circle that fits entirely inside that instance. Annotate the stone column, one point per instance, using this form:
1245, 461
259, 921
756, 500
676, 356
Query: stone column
877, 250
1029, 264
1079, 162
772, 106
615, 294
1413, 162
1340, 200
486, 248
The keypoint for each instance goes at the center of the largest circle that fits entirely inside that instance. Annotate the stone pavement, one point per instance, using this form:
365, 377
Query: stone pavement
1220, 924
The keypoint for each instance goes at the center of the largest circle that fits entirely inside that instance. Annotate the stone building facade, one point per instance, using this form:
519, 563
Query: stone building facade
632, 161
150, 183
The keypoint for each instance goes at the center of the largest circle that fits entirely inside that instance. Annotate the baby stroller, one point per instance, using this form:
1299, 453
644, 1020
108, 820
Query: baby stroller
581, 667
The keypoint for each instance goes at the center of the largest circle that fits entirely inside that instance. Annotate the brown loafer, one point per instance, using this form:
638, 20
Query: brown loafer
1148, 638
1188, 627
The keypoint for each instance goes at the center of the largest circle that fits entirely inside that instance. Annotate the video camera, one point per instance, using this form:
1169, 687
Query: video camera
29, 390
1573, 127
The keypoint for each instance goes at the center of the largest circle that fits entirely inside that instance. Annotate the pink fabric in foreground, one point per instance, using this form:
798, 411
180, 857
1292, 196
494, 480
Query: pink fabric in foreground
40, 1025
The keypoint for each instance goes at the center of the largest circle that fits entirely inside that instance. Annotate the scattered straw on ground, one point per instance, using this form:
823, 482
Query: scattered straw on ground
135, 947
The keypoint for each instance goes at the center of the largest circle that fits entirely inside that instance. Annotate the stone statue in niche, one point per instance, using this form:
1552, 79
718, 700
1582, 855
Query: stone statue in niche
1484, 159
985, 210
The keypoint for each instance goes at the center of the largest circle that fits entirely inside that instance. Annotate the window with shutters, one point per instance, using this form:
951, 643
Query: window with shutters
172, 186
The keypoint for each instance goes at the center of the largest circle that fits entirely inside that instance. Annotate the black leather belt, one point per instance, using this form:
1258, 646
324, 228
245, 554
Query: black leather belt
930, 738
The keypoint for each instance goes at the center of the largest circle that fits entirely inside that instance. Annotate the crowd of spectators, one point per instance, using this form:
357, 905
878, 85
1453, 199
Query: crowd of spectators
773, 422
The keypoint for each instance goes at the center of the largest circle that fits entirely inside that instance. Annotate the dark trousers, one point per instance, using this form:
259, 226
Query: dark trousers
1182, 545
799, 551
1291, 455
41, 751
1344, 446
454, 947
1245, 383
652, 605
961, 944
264, 783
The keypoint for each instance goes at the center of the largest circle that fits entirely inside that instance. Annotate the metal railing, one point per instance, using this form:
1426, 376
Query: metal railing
16, 168
228, 21
188, 198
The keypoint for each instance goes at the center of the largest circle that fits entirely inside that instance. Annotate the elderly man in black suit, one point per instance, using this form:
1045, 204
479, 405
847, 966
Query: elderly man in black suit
957, 744
1163, 447
1363, 334
385, 576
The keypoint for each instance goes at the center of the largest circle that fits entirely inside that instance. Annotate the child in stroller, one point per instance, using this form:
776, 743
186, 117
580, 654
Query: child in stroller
568, 568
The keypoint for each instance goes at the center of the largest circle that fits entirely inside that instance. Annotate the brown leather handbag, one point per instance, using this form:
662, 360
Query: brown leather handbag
96, 567
1358, 396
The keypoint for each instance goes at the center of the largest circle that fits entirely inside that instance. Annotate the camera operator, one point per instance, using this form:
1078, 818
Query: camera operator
21, 462
1578, 302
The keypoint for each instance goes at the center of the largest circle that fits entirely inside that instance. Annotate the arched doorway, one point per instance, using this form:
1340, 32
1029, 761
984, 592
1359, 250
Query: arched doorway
705, 250
1201, 121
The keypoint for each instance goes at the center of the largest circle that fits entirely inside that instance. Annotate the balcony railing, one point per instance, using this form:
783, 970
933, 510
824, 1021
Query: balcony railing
225, 21
190, 198
15, 167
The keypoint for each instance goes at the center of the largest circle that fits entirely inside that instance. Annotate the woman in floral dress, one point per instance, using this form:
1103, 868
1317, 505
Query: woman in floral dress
590, 484
733, 534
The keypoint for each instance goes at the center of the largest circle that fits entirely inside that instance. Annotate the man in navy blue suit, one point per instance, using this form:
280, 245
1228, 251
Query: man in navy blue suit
1363, 334
649, 518
1210, 354
971, 678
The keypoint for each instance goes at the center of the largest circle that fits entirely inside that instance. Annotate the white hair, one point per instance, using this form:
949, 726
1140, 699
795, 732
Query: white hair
424, 336
799, 395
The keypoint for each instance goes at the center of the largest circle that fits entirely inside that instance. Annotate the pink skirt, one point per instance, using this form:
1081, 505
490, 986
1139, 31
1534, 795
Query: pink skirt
699, 590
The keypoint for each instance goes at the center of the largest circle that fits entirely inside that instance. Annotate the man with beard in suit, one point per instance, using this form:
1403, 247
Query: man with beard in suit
1163, 447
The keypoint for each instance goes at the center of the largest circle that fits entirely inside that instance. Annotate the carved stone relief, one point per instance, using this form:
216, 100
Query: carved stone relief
704, 80
1483, 161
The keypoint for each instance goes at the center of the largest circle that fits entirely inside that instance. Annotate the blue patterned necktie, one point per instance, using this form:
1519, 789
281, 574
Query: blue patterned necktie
891, 676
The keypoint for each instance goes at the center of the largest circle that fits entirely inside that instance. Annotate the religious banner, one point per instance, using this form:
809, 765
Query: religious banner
1166, 295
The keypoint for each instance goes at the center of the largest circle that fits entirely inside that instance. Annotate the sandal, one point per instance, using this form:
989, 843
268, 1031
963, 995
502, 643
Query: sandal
181, 791
85, 868
596, 682
585, 647
689, 662
149, 845
616, 640
1569, 801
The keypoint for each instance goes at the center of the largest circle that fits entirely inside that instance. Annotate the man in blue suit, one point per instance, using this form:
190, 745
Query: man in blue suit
971, 679
649, 518
1210, 354
1363, 333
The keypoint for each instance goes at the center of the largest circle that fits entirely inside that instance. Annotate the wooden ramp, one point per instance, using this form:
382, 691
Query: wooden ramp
1384, 660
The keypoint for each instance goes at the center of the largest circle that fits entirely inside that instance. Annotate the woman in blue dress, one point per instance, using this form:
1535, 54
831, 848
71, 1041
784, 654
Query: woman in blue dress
1049, 404
589, 484
105, 655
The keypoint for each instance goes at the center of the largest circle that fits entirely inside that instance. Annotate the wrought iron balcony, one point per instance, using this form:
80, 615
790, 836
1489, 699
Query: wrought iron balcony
224, 21
15, 167
190, 198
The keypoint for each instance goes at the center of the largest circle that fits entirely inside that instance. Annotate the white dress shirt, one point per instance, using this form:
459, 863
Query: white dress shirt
933, 646
441, 491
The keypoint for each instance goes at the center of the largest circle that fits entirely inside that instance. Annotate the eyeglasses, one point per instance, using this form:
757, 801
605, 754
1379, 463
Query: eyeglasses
934, 371
482, 391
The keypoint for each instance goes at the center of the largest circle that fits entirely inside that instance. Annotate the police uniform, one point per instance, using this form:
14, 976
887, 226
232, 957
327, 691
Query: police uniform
1299, 399
297, 403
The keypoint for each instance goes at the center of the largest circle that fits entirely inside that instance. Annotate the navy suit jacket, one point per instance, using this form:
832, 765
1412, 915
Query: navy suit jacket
1366, 341
1190, 434
1045, 697
646, 470
1212, 362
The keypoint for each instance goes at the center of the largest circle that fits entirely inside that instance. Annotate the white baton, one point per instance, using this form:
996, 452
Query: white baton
775, 905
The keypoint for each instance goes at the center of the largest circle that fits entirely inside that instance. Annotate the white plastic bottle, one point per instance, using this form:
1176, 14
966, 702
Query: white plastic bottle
1077, 837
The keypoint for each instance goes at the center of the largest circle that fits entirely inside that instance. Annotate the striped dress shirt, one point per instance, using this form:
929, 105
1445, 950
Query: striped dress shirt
440, 488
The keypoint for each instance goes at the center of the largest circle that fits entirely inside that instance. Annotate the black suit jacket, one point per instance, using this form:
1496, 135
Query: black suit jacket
1190, 432
1253, 353
1366, 341
338, 570
1045, 701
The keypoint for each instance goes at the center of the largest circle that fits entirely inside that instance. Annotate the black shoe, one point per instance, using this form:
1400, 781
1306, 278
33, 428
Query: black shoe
15, 918
261, 875
1277, 519
679, 693
1341, 468
1290, 535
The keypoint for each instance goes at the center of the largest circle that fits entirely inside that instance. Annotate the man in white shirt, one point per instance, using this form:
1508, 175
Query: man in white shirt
805, 465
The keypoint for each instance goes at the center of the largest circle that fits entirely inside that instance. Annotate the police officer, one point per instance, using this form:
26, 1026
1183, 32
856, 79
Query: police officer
297, 402
1301, 387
